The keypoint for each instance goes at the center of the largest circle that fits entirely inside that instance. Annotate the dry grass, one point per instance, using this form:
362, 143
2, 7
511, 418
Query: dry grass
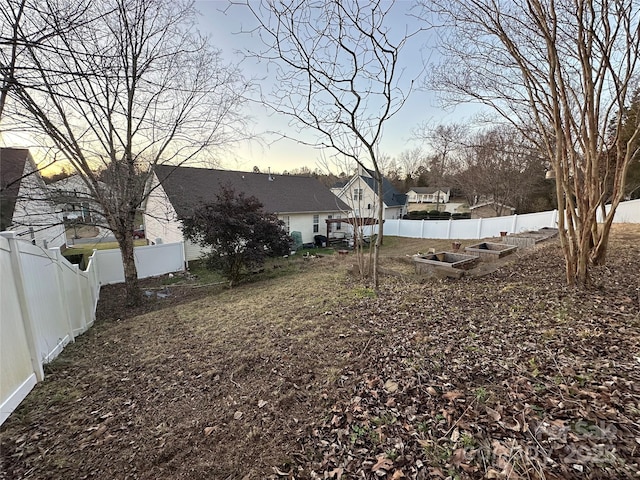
232, 383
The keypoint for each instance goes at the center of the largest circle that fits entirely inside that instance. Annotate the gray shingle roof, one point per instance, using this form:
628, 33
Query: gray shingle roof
428, 190
390, 196
188, 187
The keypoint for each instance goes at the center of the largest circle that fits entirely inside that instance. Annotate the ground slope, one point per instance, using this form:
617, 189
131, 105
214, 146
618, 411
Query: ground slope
511, 375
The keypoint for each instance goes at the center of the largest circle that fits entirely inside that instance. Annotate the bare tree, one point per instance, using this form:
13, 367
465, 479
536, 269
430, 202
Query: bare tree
564, 68
127, 85
337, 75
497, 164
446, 142
410, 161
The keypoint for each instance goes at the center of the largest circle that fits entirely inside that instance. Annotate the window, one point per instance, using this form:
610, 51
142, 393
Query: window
316, 222
339, 225
285, 219
357, 194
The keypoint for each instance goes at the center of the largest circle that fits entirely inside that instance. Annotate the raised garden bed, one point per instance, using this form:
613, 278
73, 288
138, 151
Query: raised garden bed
488, 251
530, 239
427, 263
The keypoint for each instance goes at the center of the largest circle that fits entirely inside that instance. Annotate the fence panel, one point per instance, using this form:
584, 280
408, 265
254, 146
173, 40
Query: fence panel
435, 229
18, 376
155, 260
535, 221
49, 315
72, 297
463, 229
491, 227
627, 212
42, 308
150, 261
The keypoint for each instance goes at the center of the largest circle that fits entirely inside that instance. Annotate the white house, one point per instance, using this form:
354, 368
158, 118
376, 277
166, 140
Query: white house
303, 203
359, 192
74, 199
26, 206
429, 195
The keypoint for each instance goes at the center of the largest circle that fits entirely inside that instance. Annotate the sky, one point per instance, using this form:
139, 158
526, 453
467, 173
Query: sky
224, 25
224, 28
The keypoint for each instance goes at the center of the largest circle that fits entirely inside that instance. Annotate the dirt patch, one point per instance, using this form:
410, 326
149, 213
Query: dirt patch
312, 375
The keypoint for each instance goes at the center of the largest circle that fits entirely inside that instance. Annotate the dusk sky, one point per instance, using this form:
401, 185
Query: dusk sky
224, 29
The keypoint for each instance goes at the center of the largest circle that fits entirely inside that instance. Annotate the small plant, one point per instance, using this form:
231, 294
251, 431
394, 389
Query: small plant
358, 432
533, 367
482, 394
364, 292
467, 440
437, 454
561, 314
423, 427
392, 454
385, 419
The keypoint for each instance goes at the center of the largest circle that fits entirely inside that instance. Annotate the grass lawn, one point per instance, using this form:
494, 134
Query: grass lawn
308, 373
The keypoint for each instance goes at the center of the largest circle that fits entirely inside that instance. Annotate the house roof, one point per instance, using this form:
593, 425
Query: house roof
429, 190
390, 196
12, 163
188, 187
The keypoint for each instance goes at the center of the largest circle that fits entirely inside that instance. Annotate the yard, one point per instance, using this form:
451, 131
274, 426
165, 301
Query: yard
308, 374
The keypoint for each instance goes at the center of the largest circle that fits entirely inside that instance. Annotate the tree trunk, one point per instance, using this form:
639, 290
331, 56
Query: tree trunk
132, 288
380, 219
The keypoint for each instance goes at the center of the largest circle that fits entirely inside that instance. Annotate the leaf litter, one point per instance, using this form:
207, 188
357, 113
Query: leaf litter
512, 375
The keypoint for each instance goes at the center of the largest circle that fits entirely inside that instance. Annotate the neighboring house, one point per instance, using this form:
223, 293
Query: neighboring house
26, 206
429, 195
360, 194
74, 199
491, 209
302, 203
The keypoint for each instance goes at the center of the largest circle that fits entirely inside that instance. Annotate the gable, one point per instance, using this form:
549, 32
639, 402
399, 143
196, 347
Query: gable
12, 167
390, 196
189, 187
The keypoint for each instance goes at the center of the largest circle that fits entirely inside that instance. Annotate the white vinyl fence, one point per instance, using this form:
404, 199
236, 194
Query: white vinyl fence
627, 212
151, 260
45, 302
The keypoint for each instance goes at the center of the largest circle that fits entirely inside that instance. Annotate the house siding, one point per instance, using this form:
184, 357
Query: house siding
367, 206
34, 218
160, 218
303, 223
161, 222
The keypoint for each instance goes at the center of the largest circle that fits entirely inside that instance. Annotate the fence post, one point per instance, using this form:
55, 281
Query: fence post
29, 327
479, 232
554, 219
422, 229
515, 223
94, 284
449, 229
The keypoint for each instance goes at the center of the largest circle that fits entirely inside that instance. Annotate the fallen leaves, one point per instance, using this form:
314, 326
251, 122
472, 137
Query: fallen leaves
513, 376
